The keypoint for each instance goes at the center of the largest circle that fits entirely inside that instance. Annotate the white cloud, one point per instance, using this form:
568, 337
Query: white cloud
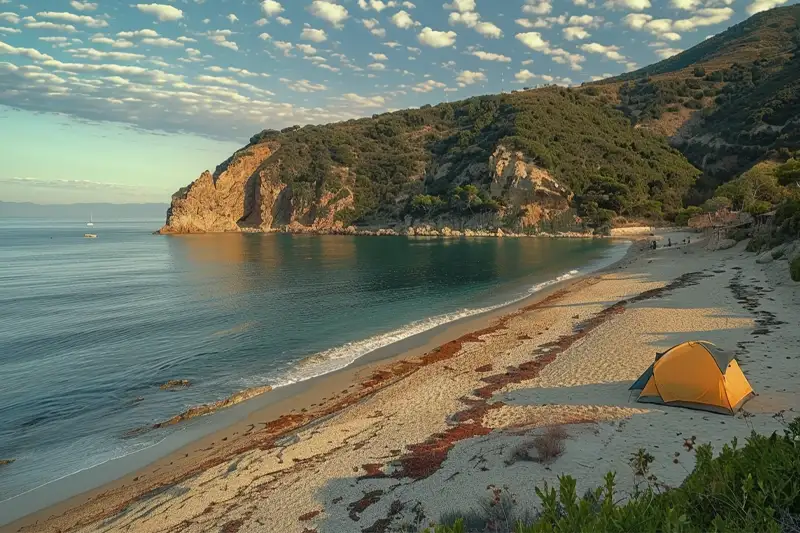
329, 12
408, 5
403, 20
704, 17
220, 38
487, 29
185, 39
13, 18
377, 5
270, 8
307, 49
364, 101
392, 44
524, 75
610, 51
261, 22
161, 41
137, 33
461, 6
585, 20
427, 86
378, 32
688, 5
232, 18
91, 53
376, 66
533, 40
115, 43
633, 5
30, 53
575, 32
310, 34
528, 62
4, 29
468, 77
378, 57
303, 86
161, 11
762, 5
265, 36
39, 25
55, 39
83, 6
283, 21
525, 23
468, 18
489, 56
637, 21
537, 7
664, 53
437, 39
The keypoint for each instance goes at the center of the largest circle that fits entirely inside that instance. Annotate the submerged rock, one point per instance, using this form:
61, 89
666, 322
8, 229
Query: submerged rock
205, 409
175, 384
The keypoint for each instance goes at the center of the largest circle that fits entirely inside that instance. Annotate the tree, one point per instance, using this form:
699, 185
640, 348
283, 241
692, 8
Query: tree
789, 173
753, 190
712, 205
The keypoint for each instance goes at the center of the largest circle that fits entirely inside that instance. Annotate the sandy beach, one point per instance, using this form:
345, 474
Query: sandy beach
393, 445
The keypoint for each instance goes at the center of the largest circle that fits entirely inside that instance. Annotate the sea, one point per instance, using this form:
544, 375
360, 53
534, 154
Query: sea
91, 328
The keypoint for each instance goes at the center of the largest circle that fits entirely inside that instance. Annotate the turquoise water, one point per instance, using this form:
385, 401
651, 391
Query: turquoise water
89, 328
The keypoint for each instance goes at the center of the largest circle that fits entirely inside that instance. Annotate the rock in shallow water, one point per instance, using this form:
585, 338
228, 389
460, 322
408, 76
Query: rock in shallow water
175, 384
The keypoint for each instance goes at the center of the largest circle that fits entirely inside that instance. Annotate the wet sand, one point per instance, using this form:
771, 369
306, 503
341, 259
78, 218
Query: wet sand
388, 443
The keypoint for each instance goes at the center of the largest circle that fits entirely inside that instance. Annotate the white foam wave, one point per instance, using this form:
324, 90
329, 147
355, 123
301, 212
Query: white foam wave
340, 357
343, 356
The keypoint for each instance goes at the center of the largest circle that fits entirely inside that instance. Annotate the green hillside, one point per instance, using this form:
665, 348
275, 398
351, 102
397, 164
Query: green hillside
745, 84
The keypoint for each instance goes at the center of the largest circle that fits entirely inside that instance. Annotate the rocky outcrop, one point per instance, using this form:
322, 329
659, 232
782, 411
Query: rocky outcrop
246, 193
175, 384
526, 188
220, 202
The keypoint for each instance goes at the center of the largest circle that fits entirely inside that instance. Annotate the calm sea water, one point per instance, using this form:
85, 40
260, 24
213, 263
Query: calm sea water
89, 328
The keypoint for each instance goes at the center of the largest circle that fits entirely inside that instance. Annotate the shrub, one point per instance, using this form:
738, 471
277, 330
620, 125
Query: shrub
749, 488
794, 269
550, 445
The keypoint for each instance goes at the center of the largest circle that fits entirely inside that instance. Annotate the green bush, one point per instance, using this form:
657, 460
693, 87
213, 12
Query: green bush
794, 269
754, 488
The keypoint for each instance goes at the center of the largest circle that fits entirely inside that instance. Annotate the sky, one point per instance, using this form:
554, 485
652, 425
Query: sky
107, 100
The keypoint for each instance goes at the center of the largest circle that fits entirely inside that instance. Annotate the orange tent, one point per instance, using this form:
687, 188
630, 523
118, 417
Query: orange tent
697, 375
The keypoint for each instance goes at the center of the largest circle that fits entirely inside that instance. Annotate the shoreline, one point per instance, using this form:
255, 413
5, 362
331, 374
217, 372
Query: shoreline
622, 232
199, 434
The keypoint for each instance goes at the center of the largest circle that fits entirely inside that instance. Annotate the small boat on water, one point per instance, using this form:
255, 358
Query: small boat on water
90, 235
91, 220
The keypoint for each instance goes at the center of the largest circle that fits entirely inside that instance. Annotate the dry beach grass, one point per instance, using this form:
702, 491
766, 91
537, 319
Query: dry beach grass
421, 436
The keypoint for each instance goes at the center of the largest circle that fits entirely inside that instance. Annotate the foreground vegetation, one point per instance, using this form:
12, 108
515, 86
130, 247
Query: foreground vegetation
755, 487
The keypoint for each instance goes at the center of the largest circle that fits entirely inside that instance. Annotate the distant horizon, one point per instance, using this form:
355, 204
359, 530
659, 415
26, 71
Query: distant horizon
85, 203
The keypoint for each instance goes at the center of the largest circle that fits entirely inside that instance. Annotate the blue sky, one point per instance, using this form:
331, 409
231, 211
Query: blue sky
129, 101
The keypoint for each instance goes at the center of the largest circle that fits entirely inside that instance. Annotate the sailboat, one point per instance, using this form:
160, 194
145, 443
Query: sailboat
91, 220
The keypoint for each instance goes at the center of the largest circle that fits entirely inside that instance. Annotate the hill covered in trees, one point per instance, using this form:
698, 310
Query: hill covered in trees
728, 102
632, 146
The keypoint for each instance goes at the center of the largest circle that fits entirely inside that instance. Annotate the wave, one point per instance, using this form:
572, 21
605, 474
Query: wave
342, 356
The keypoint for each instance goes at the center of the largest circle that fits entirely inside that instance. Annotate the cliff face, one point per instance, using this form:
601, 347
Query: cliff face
246, 193
224, 200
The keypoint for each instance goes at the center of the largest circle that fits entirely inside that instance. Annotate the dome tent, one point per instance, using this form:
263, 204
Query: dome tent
697, 375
